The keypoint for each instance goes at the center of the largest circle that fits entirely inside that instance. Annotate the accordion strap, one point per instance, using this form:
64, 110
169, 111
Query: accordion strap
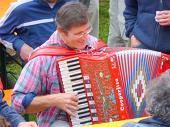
60, 51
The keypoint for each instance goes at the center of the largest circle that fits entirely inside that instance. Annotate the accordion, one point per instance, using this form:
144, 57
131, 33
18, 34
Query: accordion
111, 83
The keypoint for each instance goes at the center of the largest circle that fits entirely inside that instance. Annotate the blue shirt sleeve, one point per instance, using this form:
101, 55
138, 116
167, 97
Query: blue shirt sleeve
9, 113
28, 99
8, 25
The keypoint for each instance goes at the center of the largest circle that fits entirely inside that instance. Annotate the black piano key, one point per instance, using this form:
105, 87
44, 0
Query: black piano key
83, 108
76, 79
77, 89
81, 117
72, 65
83, 112
71, 61
75, 75
74, 69
84, 122
82, 102
82, 98
79, 84
81, 92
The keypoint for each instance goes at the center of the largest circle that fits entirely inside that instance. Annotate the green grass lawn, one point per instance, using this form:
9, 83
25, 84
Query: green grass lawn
103, 19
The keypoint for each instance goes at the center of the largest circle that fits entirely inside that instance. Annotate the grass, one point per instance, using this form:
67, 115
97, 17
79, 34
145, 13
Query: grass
103, 20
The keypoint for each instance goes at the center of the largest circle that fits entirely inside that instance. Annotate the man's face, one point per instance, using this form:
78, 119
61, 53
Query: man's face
76, 37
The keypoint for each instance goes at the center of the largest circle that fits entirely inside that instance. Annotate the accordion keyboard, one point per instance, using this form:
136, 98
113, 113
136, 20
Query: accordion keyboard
73, 82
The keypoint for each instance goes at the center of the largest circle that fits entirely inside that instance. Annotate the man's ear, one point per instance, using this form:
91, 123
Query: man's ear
61, 31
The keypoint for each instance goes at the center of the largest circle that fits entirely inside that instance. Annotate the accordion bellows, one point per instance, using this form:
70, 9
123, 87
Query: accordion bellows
111, 83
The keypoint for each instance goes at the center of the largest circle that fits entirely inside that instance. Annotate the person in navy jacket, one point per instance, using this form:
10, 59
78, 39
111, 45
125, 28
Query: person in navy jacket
147, 24
29, 23
8, 114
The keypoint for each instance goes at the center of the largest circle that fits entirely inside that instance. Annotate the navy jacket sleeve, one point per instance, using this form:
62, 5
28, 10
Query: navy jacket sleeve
9, 113
130, 15
8, 25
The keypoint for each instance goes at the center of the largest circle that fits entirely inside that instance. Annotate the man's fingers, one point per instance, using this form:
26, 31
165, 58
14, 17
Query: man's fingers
162, 20
73, 108
70, 112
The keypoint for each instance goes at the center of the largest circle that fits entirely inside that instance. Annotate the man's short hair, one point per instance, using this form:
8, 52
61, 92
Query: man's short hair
72, 14
158, 97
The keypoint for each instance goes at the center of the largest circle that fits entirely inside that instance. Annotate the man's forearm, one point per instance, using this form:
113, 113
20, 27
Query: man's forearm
40, 103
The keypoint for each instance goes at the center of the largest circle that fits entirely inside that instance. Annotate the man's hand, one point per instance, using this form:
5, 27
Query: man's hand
27, 124
26, 50
67, 102
163, 17
134, 42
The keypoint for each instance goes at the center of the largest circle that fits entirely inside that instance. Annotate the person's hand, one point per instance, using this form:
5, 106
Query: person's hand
134, 42
27, 124
26, 50
163, 17
67, 102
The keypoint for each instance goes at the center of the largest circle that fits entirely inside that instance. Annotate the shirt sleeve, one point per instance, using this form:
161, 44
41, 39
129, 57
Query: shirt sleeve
130, 15
8, 26
9, 113
28, 84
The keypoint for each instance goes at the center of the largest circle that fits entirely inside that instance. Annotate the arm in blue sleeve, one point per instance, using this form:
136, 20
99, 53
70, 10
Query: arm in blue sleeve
9, 113
8, 24
28, 99
130, 15
15, 40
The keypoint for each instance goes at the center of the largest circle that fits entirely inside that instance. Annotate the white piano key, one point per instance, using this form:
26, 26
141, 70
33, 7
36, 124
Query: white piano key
72, 82
66, 83
81, 95
83, 105
74, 87
70, 90
72, 78
77, 121
68, 60
68, 64
68, 69
85, 110
80, 101
68, 74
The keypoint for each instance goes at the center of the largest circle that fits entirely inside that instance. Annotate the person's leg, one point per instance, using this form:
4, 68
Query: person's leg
94, 16
114, 32
121, 20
